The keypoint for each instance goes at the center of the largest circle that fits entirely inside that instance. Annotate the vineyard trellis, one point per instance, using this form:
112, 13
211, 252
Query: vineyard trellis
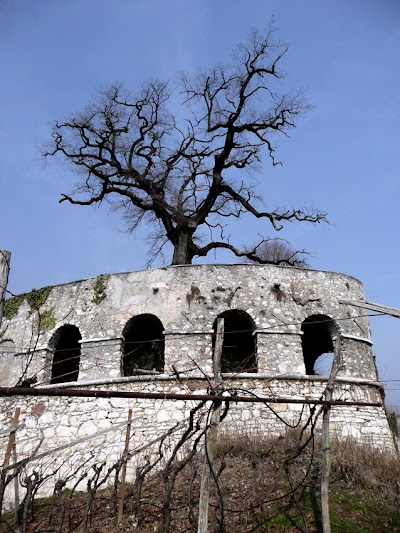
167, 454
104, 458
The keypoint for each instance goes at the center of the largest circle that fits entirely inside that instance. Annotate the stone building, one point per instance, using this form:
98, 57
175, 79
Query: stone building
154, 331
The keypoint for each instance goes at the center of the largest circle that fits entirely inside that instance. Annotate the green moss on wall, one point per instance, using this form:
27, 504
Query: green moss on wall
100, 289
12, 305
36, 298
46, 320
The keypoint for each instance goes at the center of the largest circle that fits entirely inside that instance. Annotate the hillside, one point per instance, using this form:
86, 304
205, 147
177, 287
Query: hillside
262, 485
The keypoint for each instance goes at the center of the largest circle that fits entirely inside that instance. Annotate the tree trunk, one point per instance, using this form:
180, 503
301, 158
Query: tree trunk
182, 254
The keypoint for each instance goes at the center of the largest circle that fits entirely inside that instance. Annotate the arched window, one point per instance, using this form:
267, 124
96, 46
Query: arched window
239, 346
67, 353
317, 342
143, 347
7, 347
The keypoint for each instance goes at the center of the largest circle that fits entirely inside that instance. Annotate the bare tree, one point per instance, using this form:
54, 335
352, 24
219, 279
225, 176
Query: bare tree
186, 173
278, 252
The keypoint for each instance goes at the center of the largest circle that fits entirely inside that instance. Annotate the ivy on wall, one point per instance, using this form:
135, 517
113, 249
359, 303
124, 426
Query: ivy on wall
36, 299
100, 288
12, 305
46, 320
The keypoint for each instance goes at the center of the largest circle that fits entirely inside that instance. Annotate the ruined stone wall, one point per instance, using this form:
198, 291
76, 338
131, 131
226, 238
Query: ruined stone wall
60, 421
187, 300
69, 418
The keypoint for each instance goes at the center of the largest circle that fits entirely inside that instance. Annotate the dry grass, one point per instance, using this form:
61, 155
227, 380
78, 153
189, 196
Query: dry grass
254, 492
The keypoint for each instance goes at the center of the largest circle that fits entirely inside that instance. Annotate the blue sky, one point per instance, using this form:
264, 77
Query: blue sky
344, 158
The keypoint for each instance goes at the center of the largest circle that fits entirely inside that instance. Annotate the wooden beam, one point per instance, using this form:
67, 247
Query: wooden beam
392, 311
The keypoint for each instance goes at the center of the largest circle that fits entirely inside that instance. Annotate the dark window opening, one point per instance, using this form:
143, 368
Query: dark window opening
67, 353
317, 342
143, 347
239, 345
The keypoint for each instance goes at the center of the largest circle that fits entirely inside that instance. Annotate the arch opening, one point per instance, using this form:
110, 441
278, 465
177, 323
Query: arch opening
143, 346
67, 354
7, 347
317, 343
239, 345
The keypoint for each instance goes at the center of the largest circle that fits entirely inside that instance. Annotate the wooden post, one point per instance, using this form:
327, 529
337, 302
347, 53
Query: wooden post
4, 271
16, 483
123, 471
212, 434
326, 451
11, 438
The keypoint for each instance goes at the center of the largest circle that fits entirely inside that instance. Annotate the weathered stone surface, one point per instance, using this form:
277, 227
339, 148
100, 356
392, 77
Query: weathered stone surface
187, 301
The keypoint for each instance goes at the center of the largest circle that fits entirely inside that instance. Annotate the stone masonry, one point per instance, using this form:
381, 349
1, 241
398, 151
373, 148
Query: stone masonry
276, 305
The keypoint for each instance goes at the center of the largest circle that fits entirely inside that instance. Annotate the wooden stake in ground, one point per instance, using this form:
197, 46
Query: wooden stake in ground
326, 451
16, 482
11, 438
212, 434
5, 258
11, 448
123, 471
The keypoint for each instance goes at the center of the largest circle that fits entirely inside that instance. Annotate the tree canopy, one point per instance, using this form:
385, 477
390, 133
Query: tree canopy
187, 172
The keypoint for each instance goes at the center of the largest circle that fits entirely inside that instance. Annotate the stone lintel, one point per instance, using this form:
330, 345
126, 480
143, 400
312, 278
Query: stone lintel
355, 338
189, 332
271, 331
38, 349
343, 380
101, 339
